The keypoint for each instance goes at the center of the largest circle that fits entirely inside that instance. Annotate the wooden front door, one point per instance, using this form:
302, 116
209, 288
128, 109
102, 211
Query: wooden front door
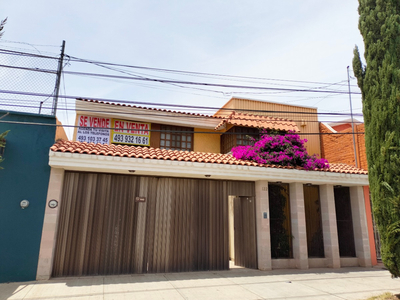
245, 232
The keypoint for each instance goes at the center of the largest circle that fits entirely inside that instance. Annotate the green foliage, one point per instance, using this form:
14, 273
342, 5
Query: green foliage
379, 82
3, 143
2, 23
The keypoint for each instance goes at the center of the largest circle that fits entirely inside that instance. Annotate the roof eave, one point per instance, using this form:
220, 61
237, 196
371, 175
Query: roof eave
144, 115
169, 168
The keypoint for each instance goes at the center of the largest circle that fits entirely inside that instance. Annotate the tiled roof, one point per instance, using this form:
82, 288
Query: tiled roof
235, 118
257, 121
156, 153
343, 168
150, 108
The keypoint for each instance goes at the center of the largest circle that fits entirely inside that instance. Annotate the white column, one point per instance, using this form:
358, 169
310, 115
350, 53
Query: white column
361, 239
47, 244
298, 221
262, 219
329, 226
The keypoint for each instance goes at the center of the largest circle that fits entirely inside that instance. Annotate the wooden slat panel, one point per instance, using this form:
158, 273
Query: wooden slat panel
148, 265
182, 226
68, 190
131, 212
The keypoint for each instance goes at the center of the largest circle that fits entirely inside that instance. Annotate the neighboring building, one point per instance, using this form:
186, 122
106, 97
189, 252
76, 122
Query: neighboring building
25, 177
170, 199
339, 148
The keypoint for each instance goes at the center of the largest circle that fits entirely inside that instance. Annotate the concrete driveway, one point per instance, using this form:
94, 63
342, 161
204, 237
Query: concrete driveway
345, 283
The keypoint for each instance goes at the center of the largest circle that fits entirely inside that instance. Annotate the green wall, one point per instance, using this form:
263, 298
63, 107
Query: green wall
25, 176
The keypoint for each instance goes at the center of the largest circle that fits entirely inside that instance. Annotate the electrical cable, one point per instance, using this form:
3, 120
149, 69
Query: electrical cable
162, 104
182, 82
190, 72
76, 59
178, 115
173, 131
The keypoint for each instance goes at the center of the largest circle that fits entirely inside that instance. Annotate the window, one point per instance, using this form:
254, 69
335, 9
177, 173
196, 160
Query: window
344, 222
238, 136
280, 225
176, 138
312, 206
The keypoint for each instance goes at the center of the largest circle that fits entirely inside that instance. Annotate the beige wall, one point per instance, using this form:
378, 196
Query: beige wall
60, 132
307, 123
204, 142
75, 128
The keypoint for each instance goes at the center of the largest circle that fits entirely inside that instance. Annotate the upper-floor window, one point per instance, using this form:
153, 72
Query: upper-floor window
238, 136
176, 138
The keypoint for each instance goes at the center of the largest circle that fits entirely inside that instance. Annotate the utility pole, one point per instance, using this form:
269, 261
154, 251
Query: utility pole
352, 120
58, 80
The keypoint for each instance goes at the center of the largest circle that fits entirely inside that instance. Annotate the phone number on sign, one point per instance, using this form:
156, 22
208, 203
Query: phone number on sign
131, 139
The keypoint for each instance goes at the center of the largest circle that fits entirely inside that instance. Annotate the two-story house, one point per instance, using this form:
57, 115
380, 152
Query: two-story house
151, 190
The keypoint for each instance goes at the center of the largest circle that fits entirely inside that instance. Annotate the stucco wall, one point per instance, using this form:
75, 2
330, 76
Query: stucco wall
204, 142
25, 176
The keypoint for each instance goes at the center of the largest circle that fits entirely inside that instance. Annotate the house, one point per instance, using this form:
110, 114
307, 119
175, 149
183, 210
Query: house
24, 183
147, 190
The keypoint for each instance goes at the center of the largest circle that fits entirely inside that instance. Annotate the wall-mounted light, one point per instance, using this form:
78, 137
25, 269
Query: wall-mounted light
278, 182
207, 175
308, 184
337, 186
131, 171
24, 204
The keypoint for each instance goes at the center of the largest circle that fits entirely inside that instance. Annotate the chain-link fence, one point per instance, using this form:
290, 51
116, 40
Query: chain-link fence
27, 80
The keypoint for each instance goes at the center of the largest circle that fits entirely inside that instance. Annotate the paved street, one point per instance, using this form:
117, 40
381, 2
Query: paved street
346, 283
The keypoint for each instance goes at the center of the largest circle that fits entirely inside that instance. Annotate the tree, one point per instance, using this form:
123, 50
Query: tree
2, 145
379, 81
2, 23
2, 135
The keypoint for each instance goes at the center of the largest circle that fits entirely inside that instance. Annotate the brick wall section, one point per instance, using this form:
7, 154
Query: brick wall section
338, 148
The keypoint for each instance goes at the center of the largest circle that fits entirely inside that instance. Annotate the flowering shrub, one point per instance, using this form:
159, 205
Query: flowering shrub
277, 149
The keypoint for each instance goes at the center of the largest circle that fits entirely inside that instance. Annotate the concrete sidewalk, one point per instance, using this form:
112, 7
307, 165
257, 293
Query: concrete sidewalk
345, 283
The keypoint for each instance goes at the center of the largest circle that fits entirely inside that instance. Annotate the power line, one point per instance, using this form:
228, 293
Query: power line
191, 83
179, 115
173, 131
121, 101
208, 75
182, 72
19, 53
100, 100
73, 58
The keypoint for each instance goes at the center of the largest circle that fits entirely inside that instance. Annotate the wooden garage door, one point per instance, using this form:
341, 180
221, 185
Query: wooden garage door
181, 226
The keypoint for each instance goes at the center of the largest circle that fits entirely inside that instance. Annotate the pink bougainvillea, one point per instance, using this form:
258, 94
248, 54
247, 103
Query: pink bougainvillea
277, 149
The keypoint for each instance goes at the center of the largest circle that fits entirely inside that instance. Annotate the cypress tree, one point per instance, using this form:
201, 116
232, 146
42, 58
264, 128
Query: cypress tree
379, 81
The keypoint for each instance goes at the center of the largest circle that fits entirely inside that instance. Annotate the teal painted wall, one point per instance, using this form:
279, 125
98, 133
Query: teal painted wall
25, 176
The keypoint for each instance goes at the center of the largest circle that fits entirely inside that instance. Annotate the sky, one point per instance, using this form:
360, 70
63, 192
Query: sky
288, 44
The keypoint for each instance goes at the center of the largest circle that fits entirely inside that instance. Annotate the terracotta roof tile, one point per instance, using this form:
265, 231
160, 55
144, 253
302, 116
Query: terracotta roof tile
156, 153
257, 121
